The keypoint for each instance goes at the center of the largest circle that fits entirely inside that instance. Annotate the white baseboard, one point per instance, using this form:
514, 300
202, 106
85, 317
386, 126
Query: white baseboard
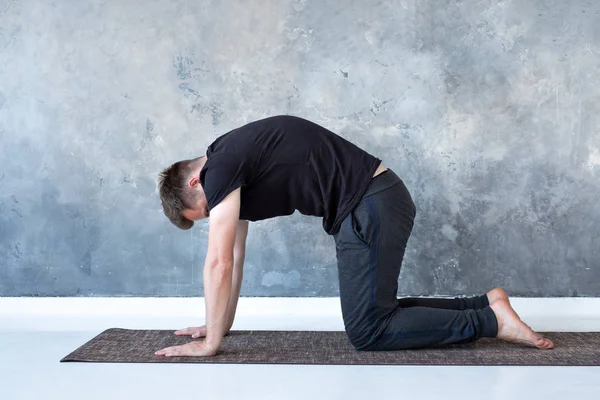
96, 313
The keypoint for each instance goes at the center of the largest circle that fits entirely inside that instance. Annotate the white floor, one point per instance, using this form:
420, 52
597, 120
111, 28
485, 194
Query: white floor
31, 344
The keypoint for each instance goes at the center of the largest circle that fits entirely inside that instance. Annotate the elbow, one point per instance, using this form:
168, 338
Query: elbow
239, 254
218, 271
223, 265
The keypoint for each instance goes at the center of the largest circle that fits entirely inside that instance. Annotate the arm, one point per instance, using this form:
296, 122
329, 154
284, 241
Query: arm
239, 254
218, 273
218, 267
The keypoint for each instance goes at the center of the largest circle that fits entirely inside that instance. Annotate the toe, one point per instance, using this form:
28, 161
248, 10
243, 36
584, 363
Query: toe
540, 343
544, 344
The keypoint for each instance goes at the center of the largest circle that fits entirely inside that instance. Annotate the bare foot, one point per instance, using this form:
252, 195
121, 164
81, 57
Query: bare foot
496, 294
512, 329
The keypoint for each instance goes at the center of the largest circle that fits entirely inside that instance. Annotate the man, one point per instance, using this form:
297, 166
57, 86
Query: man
277, 165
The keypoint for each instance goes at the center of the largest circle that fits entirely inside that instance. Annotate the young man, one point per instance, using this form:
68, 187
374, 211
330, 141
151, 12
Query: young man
277, 165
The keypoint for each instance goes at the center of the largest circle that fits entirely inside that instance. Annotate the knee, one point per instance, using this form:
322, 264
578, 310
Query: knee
385, 344
358, 338
364, 332
365, 344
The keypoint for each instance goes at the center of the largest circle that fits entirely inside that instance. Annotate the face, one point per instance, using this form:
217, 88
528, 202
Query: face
197, 213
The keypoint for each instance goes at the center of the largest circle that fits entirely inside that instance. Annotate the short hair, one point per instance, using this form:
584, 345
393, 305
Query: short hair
174, 194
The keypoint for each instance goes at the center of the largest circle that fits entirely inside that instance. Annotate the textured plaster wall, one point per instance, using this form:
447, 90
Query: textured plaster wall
489, 110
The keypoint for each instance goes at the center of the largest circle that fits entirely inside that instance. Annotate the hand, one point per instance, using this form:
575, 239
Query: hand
192, 349
194, 332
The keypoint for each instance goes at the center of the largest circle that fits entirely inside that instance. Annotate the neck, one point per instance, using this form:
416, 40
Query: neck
198, 164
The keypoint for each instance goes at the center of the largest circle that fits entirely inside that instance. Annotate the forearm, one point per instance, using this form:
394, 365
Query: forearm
217, 291
239, 254
236, 285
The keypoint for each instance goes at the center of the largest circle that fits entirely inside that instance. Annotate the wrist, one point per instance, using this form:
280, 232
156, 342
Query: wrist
213, 342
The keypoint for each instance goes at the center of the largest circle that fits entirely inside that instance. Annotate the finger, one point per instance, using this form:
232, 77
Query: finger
163, 351
186, 331
170, 351
175, 351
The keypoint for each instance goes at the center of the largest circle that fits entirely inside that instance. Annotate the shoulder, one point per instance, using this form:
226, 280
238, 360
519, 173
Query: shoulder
276, 120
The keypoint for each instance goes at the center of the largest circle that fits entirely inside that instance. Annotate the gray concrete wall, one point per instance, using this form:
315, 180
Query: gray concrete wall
489, 110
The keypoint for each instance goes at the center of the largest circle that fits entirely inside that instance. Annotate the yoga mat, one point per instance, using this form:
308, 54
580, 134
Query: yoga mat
322, 347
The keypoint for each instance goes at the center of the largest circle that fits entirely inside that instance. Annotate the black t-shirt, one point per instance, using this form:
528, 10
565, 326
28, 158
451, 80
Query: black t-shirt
284, 164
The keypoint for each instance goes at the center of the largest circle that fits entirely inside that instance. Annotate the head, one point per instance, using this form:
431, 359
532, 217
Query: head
181, 193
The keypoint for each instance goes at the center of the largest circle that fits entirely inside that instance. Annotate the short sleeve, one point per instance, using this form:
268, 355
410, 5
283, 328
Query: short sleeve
221, 175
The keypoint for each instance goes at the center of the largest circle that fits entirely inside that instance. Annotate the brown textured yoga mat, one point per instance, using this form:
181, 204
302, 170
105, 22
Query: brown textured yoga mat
316, 347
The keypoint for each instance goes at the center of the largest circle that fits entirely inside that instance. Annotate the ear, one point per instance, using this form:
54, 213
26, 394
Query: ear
194, 181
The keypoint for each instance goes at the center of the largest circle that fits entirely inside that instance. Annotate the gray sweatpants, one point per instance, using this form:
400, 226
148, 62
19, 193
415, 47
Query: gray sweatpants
370, 247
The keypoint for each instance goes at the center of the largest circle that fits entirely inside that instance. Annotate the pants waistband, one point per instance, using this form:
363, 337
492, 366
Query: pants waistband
383, 181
